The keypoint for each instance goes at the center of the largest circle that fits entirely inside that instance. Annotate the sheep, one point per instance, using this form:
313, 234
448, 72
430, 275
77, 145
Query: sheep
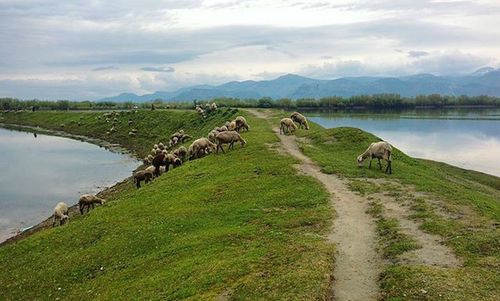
171, 159
379, 150
161, 146
88, 200
181, 153
241, 123
287, 126
159, 160
148, 159
142, 175
130, 121
223, 129
230, 138
151, 169
211, 135
60, 213
200, 147
173, 141
132, 134
300, 119
213, 106
232, 126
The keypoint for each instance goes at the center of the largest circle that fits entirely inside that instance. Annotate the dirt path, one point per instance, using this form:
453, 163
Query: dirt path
432, 251
357, 264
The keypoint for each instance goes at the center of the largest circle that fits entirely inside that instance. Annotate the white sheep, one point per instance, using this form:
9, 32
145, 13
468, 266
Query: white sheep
60, 213
287, 126
89, 200
379, 150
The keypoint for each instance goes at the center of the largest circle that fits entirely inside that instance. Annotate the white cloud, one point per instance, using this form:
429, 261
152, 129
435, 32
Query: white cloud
52, 47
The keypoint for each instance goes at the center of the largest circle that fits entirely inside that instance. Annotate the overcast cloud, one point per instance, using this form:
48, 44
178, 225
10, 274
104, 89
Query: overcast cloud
78, 49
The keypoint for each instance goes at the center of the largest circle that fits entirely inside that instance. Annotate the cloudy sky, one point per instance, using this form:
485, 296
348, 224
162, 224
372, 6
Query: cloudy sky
88, 49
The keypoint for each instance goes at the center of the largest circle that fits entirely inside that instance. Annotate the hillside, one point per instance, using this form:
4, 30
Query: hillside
485, 81
270, 221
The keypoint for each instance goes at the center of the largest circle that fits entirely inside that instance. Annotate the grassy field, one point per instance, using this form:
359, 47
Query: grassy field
236, 226
244, 226
461, 206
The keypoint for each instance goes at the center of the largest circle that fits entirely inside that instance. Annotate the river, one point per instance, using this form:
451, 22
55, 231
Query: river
466, 138
38, 172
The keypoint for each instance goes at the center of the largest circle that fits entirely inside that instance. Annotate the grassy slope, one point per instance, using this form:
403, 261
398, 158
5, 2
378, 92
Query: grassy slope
236, 224
472, 200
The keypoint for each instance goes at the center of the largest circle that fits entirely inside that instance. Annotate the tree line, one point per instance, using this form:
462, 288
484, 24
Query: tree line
376, 101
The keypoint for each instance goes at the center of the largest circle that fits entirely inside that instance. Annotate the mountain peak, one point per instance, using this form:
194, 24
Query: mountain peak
483, 71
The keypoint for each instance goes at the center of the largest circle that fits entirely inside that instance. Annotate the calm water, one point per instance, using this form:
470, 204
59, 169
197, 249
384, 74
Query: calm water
37, 173
468, 138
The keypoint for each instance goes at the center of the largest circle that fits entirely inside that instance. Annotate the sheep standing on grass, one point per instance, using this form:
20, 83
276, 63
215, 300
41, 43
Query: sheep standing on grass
229, 137
200, 147
60, 214
241, 123
181, 153
379, 150
88, 200
142, 175
159, 160
287, 126
300, 119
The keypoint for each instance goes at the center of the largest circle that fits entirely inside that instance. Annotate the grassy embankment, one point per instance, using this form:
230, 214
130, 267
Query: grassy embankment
461, 206
241, 225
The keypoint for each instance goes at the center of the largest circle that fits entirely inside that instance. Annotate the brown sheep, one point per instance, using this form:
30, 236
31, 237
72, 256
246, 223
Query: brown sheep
300, 119
142, 175
88, 200
230, 138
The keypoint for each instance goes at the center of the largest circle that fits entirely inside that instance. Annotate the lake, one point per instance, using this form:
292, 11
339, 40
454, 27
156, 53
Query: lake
466, 138
38, 172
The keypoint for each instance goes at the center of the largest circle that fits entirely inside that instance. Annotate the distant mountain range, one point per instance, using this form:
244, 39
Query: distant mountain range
485, 81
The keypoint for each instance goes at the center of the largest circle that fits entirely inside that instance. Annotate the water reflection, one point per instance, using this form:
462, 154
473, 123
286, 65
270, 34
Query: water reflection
40, 170
471, 143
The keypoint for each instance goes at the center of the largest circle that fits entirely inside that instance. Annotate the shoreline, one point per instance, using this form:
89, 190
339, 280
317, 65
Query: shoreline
73, 209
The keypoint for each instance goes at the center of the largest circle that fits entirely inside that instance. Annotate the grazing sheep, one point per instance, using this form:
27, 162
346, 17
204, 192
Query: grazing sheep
230, 138
232, 126
213, 106
161, 146
287, 126
379, 150
159, 160
211, 135
171, 159
241, 123
173, 141
88, 200
200, 147
300, 119
61, 214
142, 175
181, 153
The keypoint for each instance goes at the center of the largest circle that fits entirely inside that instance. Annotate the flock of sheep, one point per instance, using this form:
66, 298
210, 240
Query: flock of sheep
377, 150
229, 133
161, 159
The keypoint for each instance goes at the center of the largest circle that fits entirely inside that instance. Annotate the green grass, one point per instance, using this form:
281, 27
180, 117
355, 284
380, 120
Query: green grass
236, 224
467, 220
